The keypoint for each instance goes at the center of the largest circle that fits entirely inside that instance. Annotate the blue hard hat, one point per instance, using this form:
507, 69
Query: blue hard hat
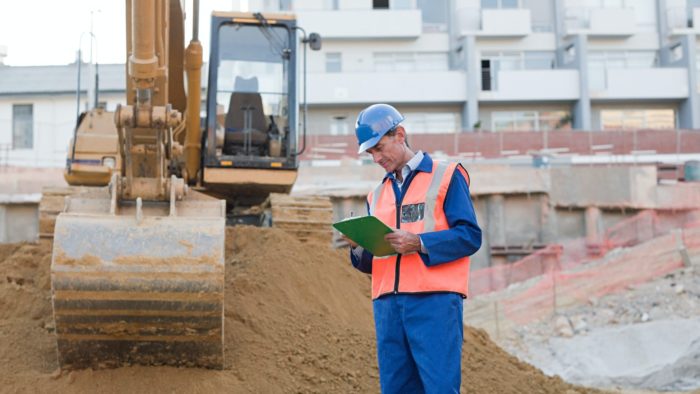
373, 122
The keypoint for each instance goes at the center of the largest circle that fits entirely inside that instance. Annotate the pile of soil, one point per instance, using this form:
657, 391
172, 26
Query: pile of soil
298, 319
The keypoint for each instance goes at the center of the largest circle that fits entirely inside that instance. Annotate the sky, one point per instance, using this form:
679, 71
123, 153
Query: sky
49, 32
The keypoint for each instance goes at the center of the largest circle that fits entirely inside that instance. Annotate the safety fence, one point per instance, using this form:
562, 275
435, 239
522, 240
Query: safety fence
478, 145
636, 250
571, 254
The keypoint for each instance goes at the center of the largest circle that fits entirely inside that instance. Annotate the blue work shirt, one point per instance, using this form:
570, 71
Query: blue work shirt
463, 238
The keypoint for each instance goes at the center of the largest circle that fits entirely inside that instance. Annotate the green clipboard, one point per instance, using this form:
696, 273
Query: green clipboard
368, 232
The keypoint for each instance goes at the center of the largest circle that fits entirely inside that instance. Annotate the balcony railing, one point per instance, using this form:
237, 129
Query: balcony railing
681, 21
613, 22
494, 22
349, 24
638, 83
533, 85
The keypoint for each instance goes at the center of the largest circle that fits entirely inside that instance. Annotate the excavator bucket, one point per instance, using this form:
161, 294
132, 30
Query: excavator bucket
139, 284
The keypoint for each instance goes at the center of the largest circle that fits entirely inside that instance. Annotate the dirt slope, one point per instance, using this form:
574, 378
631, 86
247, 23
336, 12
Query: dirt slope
298, 320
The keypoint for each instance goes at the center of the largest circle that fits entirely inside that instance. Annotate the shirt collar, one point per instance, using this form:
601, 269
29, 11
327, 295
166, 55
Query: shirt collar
424, 164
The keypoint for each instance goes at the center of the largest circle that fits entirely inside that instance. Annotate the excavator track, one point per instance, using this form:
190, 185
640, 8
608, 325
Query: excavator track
306, 217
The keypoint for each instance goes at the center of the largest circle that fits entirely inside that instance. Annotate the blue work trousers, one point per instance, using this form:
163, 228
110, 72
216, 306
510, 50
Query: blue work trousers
419, 342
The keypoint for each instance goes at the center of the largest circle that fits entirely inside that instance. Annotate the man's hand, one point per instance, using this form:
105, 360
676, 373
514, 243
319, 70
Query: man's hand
348, 240
403, 241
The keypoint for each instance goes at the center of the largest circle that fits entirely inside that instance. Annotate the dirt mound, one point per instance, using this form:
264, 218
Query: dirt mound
298, 319
25, 279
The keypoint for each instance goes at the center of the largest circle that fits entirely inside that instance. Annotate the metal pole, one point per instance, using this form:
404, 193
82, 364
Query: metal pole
77, 108
77, 90
305, 106
195, 21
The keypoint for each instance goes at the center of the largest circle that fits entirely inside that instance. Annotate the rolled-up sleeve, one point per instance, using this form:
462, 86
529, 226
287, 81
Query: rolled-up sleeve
360, 258
463, 238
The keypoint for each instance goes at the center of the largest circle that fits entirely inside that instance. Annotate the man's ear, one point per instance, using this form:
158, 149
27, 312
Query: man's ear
401, 134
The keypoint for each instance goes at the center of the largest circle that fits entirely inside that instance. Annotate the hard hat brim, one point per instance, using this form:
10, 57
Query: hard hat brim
369, 143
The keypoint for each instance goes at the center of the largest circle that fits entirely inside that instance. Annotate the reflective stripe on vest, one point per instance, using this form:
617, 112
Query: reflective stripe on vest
421, 211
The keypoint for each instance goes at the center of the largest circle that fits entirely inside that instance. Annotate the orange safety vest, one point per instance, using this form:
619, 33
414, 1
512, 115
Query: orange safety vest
421, 212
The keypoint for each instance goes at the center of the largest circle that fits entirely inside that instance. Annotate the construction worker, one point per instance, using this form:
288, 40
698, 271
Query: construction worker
418, 293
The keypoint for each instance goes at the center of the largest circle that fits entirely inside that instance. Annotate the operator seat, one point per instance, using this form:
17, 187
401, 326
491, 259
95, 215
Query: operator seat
245, 123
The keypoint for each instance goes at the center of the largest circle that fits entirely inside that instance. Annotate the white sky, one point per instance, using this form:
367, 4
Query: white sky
48, 32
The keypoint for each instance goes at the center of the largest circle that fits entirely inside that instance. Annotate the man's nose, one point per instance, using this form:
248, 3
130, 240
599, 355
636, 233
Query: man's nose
376, 157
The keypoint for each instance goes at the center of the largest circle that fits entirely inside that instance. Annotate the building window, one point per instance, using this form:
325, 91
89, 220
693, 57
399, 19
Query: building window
332, 5
339, 125
435, 14
634, 119
22, 126
494, 62
495, 4
410, 61
431, 122
623, 59
530, 120
403, 4
380, 4
486, 75
334, 62
541, 14
697, 67
600, 62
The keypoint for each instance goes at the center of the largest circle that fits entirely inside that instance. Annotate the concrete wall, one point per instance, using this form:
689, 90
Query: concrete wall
19, 222
619, 186
522, 208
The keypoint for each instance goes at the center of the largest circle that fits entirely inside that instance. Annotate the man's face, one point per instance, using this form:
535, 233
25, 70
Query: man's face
389, 151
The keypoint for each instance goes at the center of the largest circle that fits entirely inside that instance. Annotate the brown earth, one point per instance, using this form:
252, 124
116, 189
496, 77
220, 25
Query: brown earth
298, 320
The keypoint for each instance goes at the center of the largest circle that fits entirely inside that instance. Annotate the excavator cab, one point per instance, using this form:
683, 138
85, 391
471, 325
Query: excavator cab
252, 76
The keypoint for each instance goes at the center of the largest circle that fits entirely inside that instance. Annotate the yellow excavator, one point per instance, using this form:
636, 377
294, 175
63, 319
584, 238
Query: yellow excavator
137, 271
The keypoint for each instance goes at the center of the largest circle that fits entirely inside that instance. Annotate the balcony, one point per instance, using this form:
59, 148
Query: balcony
601, 22
534, 85
395, 87
505, 23
679, 22
639, 83
496, 23
363, 24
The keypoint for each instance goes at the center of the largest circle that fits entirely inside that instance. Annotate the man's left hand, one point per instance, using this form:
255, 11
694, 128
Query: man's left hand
403, 241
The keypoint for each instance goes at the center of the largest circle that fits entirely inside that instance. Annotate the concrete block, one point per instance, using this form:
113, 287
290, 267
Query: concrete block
492, 179
19, 222
605, 187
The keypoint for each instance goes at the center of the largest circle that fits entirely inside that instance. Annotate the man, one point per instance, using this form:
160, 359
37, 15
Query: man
417, 294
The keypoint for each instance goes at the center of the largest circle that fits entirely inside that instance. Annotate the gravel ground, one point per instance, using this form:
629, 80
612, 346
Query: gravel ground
647, 337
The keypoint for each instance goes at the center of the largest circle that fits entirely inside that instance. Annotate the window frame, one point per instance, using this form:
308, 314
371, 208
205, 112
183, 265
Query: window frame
333, 59
16, 123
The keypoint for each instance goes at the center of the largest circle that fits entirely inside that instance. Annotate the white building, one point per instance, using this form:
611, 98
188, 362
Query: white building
457, 65
449, 65
39, 110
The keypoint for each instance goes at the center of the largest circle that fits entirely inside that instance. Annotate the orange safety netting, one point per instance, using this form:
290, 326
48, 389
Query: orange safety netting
652, 244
